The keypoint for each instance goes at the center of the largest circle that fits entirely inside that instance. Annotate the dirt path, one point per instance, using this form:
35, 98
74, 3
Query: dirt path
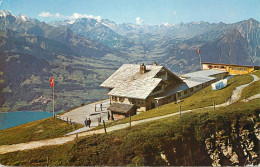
57, 141
236, 94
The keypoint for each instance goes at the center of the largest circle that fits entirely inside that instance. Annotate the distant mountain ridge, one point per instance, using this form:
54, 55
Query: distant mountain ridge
82, 53
198, 34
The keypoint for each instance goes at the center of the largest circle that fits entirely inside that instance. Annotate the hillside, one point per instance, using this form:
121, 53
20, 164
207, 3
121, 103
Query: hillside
227, 136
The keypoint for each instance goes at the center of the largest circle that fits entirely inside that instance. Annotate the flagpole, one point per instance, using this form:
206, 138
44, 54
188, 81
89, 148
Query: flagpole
53, 101
200, 60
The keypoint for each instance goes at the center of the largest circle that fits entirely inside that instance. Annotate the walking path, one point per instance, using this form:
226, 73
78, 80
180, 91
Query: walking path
238, 91
80, 114
61, 140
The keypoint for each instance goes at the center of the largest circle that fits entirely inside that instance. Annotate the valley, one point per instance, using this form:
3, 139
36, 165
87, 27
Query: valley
82, 54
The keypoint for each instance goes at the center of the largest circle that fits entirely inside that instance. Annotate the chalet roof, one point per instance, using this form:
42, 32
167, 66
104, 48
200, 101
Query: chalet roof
139, 89
128, 82
128, 73
120, 107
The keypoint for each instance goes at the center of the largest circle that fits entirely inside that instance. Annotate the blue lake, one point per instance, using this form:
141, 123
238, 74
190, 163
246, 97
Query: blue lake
11, 119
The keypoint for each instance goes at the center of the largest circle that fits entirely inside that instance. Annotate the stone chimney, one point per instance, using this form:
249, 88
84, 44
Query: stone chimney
155, 63
142, 69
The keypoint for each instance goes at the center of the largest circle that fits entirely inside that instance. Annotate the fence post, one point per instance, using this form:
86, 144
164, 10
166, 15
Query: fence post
130, 120
214, 105
67, 120
180, 109
47, 160
105, 126
77, 141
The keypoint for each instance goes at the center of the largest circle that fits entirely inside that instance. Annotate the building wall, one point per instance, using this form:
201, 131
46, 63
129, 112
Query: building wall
184, 94
240, 70
141, 104
233, 70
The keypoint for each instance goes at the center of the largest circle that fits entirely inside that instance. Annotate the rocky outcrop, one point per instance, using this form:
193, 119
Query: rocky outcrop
221, 146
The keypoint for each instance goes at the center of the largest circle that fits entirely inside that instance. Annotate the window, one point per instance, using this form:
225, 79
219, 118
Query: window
121, 99
197, 86
191, 89
179, 94
240, 68
114, 98
185, 91
209, 66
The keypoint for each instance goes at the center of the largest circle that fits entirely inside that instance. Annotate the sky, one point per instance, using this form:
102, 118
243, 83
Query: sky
143, 12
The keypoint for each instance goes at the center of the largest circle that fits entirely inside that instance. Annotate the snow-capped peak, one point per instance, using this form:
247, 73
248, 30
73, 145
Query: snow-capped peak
4, 13
71, 21
166, 24
23, 17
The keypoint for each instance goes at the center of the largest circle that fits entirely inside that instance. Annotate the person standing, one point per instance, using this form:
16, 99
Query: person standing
88, 122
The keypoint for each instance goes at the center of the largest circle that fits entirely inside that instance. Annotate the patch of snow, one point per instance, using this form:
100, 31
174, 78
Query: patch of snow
71, 22
23, 17
4, 13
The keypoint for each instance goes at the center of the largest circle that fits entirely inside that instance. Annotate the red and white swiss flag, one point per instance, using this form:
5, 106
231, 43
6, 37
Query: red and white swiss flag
52, 81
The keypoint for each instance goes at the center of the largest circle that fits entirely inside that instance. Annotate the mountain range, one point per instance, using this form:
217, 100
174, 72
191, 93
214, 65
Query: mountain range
82, 53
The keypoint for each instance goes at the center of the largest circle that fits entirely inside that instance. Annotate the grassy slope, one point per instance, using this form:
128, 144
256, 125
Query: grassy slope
36, 130
252, 89
142, 144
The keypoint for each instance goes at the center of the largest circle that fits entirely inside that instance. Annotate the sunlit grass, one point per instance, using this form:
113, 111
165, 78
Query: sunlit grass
36, 130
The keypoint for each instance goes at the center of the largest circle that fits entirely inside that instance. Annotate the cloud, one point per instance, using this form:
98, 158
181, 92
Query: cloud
79, 16
138, 20
175, 12
45, 14
74, 16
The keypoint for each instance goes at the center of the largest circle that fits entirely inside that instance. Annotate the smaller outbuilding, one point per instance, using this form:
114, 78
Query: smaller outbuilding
232, 69
121, 110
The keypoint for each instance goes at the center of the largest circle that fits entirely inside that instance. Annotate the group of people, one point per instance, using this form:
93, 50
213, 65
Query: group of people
87, 122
